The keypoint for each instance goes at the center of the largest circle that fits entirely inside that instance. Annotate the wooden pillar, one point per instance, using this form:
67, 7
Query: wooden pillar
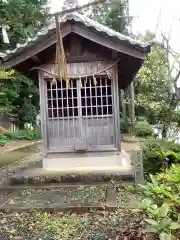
43, 114
117, 111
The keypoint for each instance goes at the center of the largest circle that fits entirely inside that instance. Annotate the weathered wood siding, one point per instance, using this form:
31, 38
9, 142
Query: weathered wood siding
99, 131
80, 69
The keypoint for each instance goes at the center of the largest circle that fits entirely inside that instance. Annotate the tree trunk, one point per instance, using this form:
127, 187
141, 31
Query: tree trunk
124, 113
164, 131
131, 107
132, 103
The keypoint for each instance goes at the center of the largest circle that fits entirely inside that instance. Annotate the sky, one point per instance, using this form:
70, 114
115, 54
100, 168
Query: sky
147, 13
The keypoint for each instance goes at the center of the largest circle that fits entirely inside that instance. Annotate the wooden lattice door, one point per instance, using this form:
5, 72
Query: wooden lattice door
84, 112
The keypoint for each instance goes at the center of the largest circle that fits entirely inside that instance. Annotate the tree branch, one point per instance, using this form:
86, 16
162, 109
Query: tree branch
59, 13
76, 8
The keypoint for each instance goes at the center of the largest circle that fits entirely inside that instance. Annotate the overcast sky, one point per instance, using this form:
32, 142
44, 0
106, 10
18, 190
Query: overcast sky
147, 13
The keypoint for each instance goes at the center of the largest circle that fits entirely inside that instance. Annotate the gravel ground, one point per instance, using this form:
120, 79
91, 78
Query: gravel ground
123, 224
19, 166
21, 226
82, 194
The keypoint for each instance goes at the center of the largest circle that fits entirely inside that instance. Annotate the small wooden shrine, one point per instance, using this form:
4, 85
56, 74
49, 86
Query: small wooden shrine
82, 116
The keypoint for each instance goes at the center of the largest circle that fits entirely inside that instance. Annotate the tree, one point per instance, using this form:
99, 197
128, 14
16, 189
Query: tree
20, 98
24, 18
18, 94
157, 92
113, 13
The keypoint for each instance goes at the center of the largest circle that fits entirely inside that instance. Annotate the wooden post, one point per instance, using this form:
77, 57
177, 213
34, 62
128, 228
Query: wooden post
43, 114
117, 111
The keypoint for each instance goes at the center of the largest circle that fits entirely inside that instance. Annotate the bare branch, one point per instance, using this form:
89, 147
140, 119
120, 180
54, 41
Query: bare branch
177, 77
166, 40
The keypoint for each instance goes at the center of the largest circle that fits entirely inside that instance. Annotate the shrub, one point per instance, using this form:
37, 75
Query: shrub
158, 154
3, 139
143, 129
11, 135
122, 125
26, 134
125, 127
162, 202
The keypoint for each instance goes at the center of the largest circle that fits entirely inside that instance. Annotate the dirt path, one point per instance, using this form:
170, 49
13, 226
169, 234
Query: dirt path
130, 146
16, 145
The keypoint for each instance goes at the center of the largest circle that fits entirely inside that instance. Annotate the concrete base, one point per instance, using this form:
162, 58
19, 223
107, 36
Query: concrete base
87, 161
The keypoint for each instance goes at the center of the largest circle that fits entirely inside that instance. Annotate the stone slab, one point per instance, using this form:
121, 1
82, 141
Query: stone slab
87, 162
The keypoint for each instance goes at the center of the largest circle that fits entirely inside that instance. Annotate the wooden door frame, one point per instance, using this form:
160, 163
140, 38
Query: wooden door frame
44, 118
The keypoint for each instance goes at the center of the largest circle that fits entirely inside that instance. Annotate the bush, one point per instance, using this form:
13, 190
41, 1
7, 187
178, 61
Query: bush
122, 126
158, 154
125, 127
3, 139
143, 129
26, 134
162, 202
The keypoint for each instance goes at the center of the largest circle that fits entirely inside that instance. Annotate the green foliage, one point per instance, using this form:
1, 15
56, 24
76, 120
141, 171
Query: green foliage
18, 94
159, 191
24, 17
4, 76
160, 222
157, 95
143, 129
7, 74
162, 203
158, 154
20, 98
26, 134
125, 127
153, 88
122, 125
4, 139
113, 14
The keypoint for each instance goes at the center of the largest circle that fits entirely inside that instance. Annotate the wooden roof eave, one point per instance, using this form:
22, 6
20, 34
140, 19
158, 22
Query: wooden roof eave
78, 28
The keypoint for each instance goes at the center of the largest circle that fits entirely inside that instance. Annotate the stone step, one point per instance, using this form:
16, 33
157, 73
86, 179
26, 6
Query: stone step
44, 176
90, 161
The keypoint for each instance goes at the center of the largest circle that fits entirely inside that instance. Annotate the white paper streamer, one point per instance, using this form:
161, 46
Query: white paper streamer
4, 33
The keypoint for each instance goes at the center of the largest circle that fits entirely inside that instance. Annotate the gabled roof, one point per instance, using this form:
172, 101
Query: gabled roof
77, 17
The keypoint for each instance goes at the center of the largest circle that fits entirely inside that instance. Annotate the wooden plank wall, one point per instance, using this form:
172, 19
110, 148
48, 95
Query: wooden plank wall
112, 131
80, 69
